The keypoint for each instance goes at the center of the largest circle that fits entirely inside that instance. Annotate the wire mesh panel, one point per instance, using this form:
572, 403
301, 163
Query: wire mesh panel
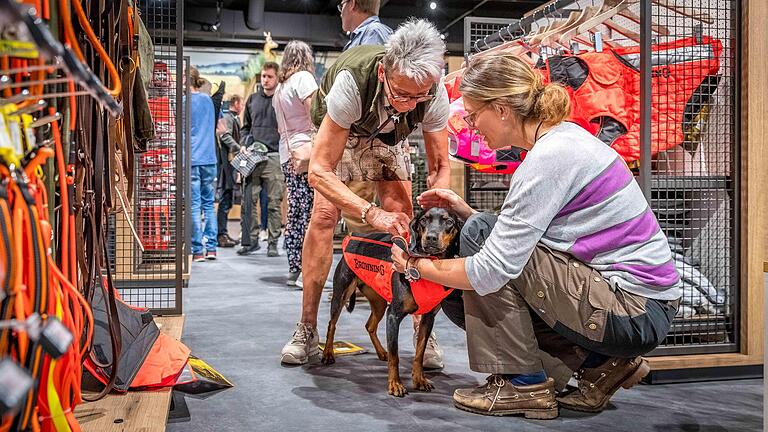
479, 27
694, 167
149, 245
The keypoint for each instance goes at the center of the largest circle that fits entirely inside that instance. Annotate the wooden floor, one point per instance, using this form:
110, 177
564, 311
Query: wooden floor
145, 411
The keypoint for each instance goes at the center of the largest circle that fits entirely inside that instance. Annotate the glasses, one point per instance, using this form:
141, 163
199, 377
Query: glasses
340, 6
405, 99
470, 118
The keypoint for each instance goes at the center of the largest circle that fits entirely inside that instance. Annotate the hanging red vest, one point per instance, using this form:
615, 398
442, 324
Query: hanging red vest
369, 257
605, 91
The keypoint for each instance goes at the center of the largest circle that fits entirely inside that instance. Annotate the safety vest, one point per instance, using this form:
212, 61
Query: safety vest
369, 257
605, 91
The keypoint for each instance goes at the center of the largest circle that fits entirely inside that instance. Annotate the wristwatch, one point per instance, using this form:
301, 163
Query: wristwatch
411, 272
364, 213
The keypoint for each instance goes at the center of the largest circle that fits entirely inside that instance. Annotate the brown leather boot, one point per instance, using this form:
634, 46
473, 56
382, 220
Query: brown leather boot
597, 385
498, 397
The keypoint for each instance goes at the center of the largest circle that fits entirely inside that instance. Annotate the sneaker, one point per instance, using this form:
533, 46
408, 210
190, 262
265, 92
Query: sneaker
291, 279
248, 250
198, 257
302, 346
263, 235
597, 385
225, 241
499, 397
433, 354
210, 255
300, 281
272, 250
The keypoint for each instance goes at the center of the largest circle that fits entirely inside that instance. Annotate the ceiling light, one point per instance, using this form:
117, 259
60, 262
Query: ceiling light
432, 5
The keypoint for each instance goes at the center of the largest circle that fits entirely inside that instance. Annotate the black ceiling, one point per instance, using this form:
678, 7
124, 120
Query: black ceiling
392, 12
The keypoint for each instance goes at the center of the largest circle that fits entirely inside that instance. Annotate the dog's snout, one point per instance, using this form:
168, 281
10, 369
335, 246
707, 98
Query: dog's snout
431, 238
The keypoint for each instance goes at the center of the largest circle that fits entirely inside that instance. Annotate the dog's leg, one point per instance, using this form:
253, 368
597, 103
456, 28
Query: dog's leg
395, 316
420, 382
344, 284
378, 308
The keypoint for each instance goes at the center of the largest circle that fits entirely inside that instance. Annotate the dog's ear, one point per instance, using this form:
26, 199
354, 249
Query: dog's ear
413, 227
458, 221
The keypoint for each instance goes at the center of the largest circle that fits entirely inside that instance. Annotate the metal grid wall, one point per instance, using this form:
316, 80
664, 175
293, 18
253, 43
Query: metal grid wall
693, 186
149, 249
479, 27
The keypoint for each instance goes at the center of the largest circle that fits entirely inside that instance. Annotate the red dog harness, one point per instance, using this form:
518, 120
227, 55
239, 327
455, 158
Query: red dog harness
369, 257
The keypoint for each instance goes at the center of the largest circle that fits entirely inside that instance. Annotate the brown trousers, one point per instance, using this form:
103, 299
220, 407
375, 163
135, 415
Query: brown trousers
553, 315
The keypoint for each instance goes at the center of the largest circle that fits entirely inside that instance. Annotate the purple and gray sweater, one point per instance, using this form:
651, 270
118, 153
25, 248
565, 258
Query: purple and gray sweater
575, 194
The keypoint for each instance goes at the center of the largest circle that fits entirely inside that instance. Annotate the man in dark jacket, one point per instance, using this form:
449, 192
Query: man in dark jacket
260, 122
229, 139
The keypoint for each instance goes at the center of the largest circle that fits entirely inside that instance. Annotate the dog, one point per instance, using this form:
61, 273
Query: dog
434, 233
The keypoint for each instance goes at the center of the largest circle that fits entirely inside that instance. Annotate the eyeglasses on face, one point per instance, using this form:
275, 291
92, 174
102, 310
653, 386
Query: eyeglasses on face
471, 118
405, 99
340, 6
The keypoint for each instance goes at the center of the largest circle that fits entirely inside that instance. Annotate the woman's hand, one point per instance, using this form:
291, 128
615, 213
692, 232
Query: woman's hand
389, 222
447, 199
399, 259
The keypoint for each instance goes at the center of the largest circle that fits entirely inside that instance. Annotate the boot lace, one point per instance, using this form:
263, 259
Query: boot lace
497, 381
301, 335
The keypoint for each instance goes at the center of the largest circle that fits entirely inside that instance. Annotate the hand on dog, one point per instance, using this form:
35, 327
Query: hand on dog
447, 199
395, 224
399, 259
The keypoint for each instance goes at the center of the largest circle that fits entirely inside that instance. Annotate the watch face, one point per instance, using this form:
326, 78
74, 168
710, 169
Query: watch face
413, 273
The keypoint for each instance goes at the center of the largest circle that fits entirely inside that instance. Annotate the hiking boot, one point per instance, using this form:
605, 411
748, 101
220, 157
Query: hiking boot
248, 250
597, 385
499, 397
272, 250
292, 277
302, 346
225, 241
433, 354
198, 257
210, 255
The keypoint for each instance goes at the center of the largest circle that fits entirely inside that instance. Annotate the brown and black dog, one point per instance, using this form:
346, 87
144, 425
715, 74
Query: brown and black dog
433, 233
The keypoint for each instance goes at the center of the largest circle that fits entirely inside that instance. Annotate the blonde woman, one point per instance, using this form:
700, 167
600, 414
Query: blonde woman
292, 103
575, 265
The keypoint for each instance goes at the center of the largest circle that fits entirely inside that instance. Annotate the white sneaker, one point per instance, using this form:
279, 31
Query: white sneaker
300, 281
263, 235
433, 354
302, 346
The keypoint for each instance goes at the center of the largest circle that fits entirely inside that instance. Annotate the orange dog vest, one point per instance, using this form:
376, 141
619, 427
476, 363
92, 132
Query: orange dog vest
369, 257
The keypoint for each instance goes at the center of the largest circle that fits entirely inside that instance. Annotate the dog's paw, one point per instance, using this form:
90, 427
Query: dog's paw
422, 384
397, 389
328, 359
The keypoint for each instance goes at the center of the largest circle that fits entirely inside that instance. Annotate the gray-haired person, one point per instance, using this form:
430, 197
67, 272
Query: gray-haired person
369, 101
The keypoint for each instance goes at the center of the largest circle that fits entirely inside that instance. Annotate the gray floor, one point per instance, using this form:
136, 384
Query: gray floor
239, 314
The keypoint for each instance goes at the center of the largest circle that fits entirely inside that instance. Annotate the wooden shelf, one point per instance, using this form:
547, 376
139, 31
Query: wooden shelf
145, 411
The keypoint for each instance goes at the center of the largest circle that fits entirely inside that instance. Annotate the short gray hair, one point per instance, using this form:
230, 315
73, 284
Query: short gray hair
416, 51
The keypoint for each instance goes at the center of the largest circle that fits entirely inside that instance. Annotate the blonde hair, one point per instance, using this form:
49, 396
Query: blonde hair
507, 80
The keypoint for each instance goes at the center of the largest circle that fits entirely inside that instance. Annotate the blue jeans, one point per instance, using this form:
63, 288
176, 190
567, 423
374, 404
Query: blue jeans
203, 180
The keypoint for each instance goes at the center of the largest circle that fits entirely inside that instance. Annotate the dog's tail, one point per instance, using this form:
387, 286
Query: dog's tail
351, 303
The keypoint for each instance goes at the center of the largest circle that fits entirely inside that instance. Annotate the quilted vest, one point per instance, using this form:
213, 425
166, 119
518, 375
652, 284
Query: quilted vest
363, 62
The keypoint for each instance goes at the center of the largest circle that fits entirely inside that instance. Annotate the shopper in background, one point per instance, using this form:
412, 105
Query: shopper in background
203, 170
575, 265
370, 100
359, 18
229, 146
292, 103
260, 124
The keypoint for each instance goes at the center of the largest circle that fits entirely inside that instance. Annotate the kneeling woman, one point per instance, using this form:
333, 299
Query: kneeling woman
574, 271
